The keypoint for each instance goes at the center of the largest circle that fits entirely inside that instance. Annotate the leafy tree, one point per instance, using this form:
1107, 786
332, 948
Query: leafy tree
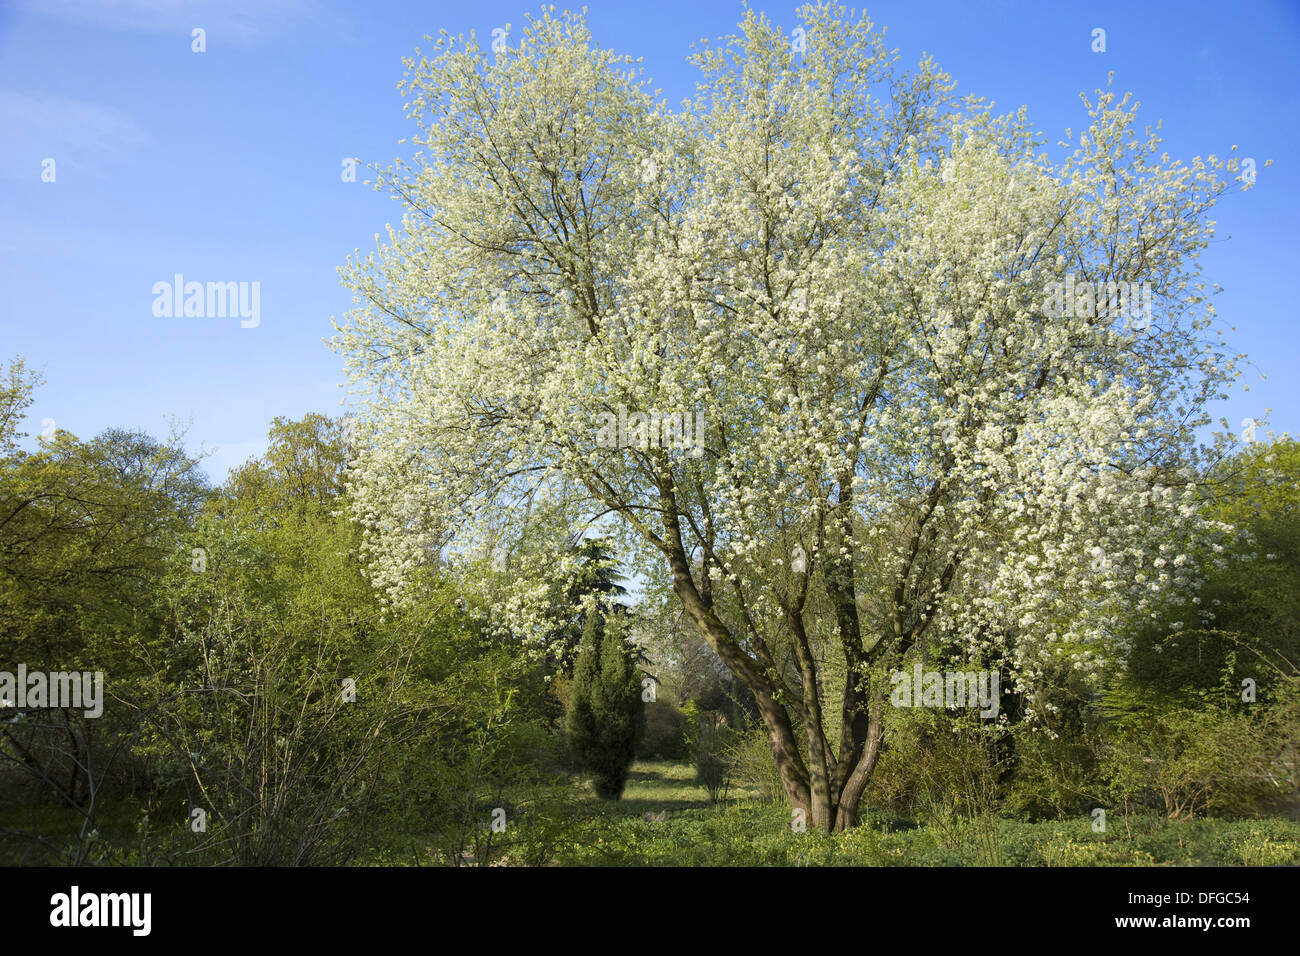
88, 527
843, 278
304, 468
87, 532
16, 395
606, 716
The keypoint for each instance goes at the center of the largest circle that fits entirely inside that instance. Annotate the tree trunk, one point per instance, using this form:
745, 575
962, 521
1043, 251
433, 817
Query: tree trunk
828, 787
856, 785
780, 734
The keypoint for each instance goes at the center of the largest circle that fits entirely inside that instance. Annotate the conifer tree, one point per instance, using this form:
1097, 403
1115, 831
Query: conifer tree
606, 716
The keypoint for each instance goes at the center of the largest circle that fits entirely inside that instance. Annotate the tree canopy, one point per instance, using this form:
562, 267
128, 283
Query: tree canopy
853, 279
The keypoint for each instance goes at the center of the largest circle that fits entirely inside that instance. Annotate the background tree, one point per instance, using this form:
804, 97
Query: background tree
87, 532
597, 575
304, 468
17, 392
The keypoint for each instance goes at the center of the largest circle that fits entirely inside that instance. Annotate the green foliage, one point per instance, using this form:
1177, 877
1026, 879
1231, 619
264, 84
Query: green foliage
664, 732
752, 765
1055, 760
304, 470
946, 771
89, 527
691, 718
1213, 757
716, 748
87, 530
606, 716
1056, 774
17, 392
445, 726
252, 672
712, 767
714, 742
278, 697
595, 588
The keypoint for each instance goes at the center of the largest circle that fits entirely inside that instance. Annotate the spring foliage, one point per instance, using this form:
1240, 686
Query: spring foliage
847, 272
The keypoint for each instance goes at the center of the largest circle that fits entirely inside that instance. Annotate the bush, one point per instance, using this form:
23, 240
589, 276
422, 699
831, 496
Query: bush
606, 714
1055, 776
752, 765
1190, 761
663, 738
712, 760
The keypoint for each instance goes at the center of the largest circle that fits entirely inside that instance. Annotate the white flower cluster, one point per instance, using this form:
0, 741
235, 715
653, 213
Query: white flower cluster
846, 287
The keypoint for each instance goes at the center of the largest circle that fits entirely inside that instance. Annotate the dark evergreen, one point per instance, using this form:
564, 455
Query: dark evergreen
606, 716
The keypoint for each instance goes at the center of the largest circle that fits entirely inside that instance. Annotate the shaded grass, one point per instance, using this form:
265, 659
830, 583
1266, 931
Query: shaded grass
576, 828
744, 831
46, 835
666, 786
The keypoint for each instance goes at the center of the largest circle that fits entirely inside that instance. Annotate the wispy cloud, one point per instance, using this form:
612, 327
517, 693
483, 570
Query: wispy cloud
240, 21
85, 137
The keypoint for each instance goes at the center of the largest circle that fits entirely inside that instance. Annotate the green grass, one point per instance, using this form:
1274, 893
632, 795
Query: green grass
576, 828
743, 831
657, 786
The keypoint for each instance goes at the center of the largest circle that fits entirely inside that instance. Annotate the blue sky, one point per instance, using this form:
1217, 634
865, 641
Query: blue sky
225, 166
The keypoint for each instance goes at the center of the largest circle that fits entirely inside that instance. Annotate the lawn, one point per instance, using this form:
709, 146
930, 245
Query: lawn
744, 831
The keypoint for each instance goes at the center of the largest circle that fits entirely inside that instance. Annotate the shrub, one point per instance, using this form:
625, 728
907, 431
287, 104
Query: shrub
752, 765
1191, 760
606, 715
712, 760
663, 738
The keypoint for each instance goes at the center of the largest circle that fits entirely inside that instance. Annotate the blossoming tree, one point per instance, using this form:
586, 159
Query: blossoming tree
844, 273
